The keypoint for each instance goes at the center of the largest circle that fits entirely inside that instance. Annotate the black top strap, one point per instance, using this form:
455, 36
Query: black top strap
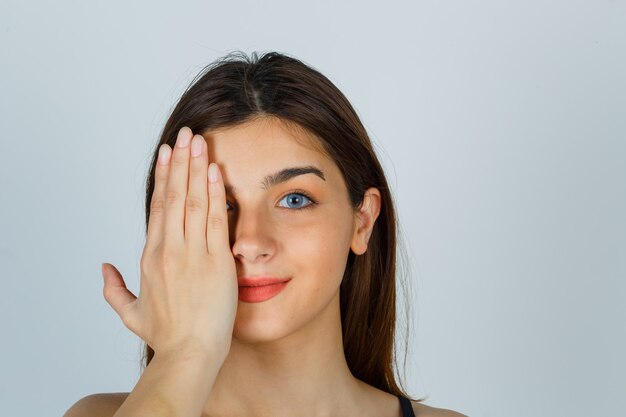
407, 409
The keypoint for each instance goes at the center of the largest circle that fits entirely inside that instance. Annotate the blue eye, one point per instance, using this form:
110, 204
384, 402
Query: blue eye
295, 201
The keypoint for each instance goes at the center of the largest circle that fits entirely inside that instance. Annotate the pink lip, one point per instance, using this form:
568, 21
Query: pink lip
260, 289
256, 282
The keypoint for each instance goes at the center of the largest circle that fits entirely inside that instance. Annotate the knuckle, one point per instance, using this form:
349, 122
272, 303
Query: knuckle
108, 295
156, 205
195, 204
215, 222
172, 196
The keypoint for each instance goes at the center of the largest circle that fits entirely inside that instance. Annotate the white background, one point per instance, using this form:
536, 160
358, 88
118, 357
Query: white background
502, 128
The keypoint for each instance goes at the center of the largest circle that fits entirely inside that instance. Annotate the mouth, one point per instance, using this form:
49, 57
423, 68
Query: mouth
260, 289
260, 281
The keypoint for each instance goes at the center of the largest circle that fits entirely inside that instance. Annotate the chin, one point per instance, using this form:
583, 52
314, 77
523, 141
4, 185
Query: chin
258, 333
252, 331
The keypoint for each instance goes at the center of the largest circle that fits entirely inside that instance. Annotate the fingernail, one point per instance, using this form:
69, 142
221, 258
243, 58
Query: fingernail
164, 154
196, 146
182, 140
213, 172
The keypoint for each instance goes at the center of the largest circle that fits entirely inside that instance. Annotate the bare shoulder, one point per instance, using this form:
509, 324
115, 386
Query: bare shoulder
423, 410
97, 405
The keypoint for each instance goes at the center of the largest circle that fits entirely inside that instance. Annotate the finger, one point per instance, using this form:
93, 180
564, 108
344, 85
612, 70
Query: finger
217, 221
176, 190
157, 202
196, 205
115, 291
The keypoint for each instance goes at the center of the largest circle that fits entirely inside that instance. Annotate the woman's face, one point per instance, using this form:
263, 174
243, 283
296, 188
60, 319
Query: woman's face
299, 227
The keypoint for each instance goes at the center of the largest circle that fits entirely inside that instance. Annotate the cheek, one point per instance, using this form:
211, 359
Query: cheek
318, 246
313, 249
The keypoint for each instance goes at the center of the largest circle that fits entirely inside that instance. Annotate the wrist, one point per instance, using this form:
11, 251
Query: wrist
185, 352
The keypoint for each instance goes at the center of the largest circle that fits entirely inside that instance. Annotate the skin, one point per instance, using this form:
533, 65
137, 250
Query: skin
287, 354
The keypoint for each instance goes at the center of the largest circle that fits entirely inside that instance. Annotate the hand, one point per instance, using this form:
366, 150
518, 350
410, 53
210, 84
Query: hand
188, 290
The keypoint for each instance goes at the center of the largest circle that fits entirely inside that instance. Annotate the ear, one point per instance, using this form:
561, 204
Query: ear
364, 221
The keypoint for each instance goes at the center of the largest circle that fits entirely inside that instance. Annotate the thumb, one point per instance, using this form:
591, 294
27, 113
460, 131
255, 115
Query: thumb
115, 291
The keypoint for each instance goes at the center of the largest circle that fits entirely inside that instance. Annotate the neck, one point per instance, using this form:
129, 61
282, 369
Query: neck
304, 373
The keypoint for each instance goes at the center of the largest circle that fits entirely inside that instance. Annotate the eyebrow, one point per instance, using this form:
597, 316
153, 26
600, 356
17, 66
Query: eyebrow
282, 176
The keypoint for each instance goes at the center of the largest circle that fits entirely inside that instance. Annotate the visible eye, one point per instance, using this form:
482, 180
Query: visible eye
295, 200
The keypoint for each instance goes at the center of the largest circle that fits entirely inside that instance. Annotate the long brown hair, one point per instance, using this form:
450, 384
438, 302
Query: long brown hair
237, 88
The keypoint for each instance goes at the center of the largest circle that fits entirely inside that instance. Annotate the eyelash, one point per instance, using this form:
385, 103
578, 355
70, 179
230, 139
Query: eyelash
312, 202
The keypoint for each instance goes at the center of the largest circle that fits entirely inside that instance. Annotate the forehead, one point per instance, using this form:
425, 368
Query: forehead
264, 133
262, 146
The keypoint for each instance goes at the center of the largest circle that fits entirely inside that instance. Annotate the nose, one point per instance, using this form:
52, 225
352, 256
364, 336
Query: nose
252, 239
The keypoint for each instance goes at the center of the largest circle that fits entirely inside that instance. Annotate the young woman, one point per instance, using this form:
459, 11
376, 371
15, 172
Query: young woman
268, 283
